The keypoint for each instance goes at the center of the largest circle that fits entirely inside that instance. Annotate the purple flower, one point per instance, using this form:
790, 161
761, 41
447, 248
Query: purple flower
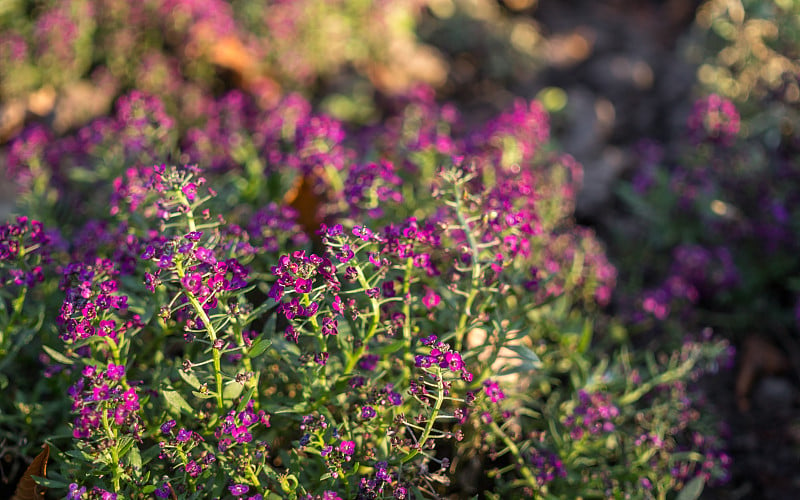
75, 492
329, 326
193, 468
163, 491
184, 435
453, 361
167, 426
368, 412
205, 255
115, 372
238, 489
368, 362
303, 285
493, 391
395, 398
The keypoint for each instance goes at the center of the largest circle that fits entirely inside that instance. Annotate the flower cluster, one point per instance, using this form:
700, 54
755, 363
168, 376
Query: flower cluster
105, 405
92, 302
714, 119
183, 449
236, 426
594, 414
24, 246
442, 355
547, 466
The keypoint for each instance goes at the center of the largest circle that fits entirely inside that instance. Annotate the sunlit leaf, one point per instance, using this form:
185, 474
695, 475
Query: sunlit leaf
57, 356
232, 390
177, 403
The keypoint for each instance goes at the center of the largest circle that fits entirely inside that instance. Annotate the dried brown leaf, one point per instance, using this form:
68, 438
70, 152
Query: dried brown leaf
27, 489
759, 357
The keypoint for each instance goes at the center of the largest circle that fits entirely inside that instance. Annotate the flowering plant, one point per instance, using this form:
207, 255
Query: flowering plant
405, 311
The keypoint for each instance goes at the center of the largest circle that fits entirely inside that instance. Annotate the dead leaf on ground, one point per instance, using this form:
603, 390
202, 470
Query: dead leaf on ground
759, 357
304, 196
231, 54
27, 489
12, 118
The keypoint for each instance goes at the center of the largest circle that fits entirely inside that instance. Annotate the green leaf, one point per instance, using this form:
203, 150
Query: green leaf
150, 453
586, 336
390, 348
514, 369
259, 345
176, 402
125, 445
245, 399
135, 458
57, 355
526, 354
190, 378
202, 395
50, 483
232, 390
692, 489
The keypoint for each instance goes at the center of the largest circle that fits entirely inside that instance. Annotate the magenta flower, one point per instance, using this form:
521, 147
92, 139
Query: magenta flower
192, 282
193, 468
347, 447
493, 391
115, 372
190, 191
431, 299
303, 285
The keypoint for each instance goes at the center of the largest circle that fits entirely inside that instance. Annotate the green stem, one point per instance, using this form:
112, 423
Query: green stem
408, 356
429, 426
527, 475
112, 434
373, 327
248, 364
323, 345
253, 478
189, 213
18, 303
115, 355
476, 268
212, 334
663, 378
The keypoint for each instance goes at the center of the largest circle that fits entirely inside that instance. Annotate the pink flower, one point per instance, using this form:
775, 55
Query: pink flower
347, 447
431, 298
190, 191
